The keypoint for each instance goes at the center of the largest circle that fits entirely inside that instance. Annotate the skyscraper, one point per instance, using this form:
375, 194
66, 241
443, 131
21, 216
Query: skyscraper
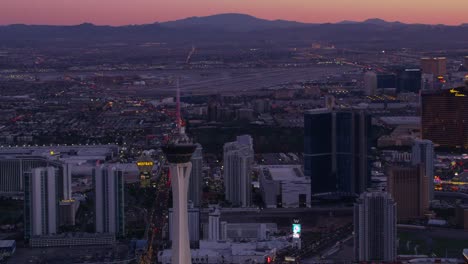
41, 201
335, 150
375, 228
408, 185
12, 169
423, 153
238, 160
179, 154
409, 80
370, 83
386, 81
196, 177
436, 66
109, 200
444, 117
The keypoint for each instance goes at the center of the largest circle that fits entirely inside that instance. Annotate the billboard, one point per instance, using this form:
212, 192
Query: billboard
296, 229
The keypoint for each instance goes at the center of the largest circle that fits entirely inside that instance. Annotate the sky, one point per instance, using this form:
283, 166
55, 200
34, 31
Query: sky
125, 12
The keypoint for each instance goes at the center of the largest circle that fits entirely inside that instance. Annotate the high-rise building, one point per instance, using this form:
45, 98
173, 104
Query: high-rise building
408, 186
375, 233
12, 169
386, 81
423, 153
370, 83
109, 200
466, 62
436, 66
193, 223
444, 117
238, 161
178, 154
213, 109
335, 150
213, 225
409, 80
41, 201
196, 177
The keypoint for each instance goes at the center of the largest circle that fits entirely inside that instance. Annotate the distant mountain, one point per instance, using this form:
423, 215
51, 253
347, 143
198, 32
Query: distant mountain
241, 29
381, 22
231, 22
348, 22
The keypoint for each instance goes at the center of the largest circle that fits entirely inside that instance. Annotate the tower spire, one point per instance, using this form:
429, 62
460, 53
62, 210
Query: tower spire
178, 117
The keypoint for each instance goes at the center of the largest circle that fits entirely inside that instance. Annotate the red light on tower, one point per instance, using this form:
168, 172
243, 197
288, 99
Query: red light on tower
268, 260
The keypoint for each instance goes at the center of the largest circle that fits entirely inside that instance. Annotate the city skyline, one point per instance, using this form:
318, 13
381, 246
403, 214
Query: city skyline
121, 12
233, 131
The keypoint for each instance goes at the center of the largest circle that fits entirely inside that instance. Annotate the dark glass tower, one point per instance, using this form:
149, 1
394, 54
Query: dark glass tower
335, 150
409, 80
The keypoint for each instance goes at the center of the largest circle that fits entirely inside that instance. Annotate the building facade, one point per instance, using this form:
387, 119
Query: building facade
408, 185
375, 232
12, 169
109, 200
370, 83
284, 186
238, 160
335, 150
423, 153
196, 177
409, 80
436, 66
444, 117
193, 223
41, 202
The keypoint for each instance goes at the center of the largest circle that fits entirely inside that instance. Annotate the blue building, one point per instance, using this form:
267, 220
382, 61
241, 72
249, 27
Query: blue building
335, 150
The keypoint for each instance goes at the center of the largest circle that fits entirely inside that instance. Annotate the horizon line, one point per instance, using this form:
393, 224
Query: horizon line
271, 20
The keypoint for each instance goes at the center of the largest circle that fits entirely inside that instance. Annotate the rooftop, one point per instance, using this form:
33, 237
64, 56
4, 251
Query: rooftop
7, 243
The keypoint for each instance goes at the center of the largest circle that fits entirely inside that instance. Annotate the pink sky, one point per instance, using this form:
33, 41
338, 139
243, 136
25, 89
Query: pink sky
122, 12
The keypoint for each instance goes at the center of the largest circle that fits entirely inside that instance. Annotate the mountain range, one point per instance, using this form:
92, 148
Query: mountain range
242, 28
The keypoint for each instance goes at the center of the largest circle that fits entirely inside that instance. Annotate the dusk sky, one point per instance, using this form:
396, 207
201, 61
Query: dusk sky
122, 12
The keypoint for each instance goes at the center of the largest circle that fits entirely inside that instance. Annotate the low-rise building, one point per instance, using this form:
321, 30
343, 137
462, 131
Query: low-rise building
284, 186
72, 239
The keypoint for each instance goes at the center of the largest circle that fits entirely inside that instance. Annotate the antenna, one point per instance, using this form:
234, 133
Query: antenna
178, 117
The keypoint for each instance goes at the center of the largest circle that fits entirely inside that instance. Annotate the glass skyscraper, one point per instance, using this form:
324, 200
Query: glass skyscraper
335, 150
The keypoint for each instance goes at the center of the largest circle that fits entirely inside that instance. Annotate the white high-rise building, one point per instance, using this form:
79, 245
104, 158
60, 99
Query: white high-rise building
196, 177
41, 201
370, 83
109, 200
375, 227
66, 182
423, 152
238, 161
213, 225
